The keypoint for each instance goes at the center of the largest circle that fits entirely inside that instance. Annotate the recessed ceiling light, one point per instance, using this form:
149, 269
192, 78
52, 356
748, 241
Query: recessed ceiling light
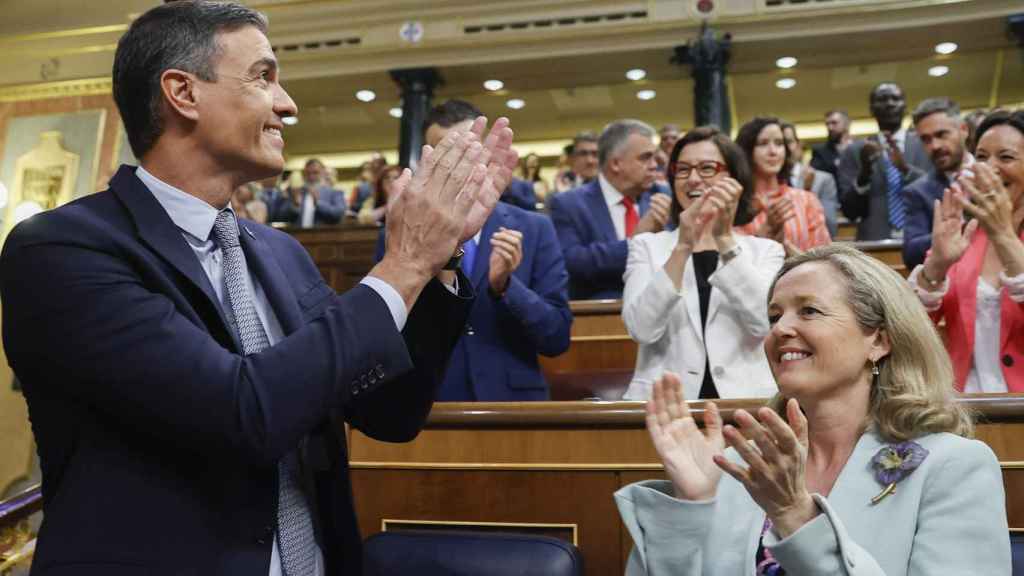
366, 95
636, 74
516, 103
493, 85
936, 71
290, 120
946, 47
26, 210
646, 94
395, 112
785, 83
786, 62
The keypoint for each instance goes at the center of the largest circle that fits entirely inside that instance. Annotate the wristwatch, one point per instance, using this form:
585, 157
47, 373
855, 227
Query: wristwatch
455, 260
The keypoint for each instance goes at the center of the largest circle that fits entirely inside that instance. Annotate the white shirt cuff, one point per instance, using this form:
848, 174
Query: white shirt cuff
391, 297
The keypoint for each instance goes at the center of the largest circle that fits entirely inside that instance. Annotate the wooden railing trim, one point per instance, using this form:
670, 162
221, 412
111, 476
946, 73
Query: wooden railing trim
988, 408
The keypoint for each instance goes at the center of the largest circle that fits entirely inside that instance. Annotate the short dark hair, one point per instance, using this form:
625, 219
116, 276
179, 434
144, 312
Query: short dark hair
178, 35
871, 95
450, 113
783, 125
839, 111
934, 106
746, 139
585, 136
735, 163
1012, 118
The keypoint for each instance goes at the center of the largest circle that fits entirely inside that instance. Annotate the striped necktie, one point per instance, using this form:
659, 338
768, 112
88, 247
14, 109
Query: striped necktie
295, 538
894, 184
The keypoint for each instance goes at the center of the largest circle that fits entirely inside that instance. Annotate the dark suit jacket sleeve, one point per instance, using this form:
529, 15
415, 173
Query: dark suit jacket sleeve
285, 210
818, 161
854, 205
917, 229
542, 307
586, 262
520, 193
396, 411
132, 352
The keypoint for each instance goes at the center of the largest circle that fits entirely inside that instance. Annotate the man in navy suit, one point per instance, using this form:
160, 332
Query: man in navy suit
943, 134
314, 203
516, 267
595, 221
188, 376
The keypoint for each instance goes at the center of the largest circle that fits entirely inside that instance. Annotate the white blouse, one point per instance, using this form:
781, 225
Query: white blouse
986, 375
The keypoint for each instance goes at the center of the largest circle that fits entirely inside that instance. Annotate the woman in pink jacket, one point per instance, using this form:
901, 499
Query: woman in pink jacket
973, 277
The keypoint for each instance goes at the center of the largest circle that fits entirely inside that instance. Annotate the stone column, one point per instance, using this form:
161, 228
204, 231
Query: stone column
708, 58
417, 91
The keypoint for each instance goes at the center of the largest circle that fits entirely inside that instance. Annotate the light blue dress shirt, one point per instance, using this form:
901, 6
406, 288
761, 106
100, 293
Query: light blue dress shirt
195, 218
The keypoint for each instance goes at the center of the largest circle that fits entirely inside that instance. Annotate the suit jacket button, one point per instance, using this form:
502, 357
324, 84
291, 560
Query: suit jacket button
373, 378
379, 369
469, 330
364, 382
1007, 360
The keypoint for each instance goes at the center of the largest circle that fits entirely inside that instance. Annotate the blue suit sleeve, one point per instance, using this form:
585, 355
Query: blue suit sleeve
542, 307
520, 193
586, 262
917, 230
331, 206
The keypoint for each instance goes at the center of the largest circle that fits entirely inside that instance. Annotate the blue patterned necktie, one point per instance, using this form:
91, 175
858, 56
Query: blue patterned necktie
894, 184
295, 538
469, 258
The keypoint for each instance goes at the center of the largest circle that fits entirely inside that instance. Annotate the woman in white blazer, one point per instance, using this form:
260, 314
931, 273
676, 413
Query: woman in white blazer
871, 473
695, 297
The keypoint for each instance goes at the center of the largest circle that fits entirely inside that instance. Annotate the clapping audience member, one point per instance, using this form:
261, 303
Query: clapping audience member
817, 182
943, 134
516, 267
595, 221
860, 466
790, 216
695, 297
973, 277
874, 172
530, 172
973, 120
314, 203
583, 163
825, 156
375, 207
246, 203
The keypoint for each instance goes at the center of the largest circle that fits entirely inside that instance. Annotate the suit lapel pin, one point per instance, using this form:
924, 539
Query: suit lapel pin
895, 462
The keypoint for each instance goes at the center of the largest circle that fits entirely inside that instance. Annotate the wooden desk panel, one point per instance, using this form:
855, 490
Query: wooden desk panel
343, 253
544, 465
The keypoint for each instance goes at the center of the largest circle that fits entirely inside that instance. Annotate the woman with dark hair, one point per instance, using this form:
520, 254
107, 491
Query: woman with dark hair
791, 216
695, 297
973, 276
376, 206
530, 171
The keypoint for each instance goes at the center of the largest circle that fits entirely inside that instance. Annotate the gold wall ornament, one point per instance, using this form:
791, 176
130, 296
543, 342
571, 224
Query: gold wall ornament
44, 178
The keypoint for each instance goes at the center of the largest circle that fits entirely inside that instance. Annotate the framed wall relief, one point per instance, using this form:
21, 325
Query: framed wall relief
49, 160
122, 150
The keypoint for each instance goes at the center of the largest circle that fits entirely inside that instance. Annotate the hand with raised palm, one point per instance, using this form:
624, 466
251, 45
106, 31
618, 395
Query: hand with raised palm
950, 237
686, 452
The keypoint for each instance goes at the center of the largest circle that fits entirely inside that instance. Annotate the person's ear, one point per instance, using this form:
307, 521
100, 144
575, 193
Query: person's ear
180, 92
880, 346
965, 132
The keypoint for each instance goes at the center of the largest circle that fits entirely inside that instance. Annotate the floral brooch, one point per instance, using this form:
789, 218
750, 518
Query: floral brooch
895, 462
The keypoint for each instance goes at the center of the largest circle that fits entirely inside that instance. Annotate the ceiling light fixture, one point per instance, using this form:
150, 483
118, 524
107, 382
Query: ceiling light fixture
395, 112
646, 94
786, 62
290, 120
366, 95
636, 74
493, 85
785, 83
936, 71
516, 103
946, 48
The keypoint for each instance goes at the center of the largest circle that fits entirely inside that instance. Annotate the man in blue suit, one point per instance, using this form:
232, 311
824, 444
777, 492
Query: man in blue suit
189, 375
516, 267
520, 193
315, 203
595, 221
943, 134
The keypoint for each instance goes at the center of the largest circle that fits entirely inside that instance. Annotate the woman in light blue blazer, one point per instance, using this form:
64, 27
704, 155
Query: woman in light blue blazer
862, 465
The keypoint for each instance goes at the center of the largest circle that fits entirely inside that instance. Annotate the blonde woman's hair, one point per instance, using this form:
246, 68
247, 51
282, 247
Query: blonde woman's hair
913, 393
